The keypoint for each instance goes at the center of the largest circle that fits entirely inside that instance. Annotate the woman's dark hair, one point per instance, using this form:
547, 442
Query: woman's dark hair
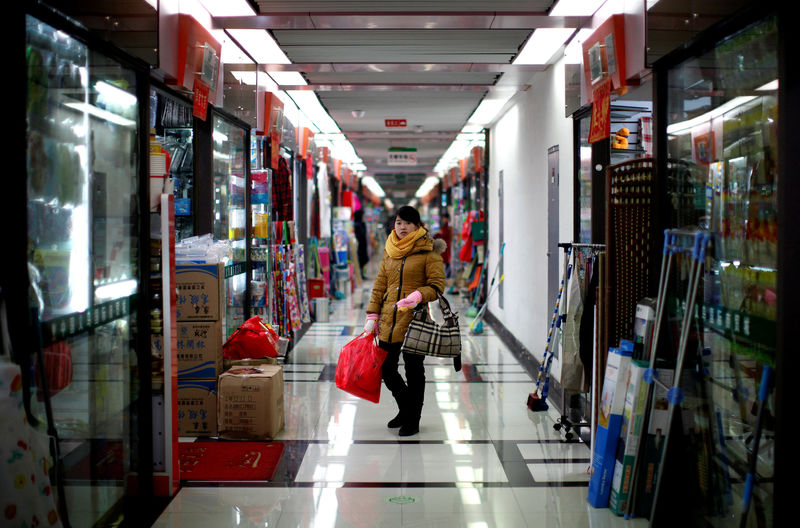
409, 214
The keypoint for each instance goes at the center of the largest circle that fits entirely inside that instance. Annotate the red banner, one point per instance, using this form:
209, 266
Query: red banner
395, 123
601, 105
200, 106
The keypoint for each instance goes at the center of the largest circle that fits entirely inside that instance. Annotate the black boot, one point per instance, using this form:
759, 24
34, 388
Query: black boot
397, 421
411, 422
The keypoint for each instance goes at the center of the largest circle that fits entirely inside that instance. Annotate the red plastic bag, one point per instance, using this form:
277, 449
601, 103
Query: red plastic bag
358, 370
57, 367
253, 339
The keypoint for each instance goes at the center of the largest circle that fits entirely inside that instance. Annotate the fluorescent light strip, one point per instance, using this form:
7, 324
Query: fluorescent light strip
309, 104
771, 86
542, 45
576, 7
260, 45
427, 186
115, 95
374, 187
684, 127
102, 114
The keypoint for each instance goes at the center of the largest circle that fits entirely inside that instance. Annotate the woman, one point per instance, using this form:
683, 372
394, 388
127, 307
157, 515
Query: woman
411, 272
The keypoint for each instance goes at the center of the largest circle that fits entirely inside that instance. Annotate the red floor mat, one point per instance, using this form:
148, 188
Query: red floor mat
229, 460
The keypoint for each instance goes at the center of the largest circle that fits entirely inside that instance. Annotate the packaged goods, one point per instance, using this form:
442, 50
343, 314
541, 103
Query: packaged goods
632, 418
251, 402
197, 407
200, 290
199, 349
609, 423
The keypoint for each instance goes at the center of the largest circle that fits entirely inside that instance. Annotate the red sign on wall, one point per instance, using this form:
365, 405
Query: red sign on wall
396, 123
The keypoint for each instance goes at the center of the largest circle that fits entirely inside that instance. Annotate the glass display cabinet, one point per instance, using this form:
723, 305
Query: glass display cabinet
721, 139
83, 223
230, 179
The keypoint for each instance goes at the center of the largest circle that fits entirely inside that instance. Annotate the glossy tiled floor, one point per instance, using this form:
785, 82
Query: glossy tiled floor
481, 459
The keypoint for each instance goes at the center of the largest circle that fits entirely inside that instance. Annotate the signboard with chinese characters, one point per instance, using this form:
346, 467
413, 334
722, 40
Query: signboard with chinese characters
395, 123
600, 127
406, 157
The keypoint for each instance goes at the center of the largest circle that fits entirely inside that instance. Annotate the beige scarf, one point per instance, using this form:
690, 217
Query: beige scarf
399, 248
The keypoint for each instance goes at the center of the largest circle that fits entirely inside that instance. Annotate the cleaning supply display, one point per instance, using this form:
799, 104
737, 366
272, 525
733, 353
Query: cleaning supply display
632, 422
609, 424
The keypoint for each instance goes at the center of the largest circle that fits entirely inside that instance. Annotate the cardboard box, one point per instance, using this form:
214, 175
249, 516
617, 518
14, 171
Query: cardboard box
200, 292
200, 349
197, 407
612, 404
632, 418
251, 402
228, 364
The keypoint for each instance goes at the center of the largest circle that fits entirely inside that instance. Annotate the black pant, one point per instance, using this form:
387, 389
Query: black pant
414, 391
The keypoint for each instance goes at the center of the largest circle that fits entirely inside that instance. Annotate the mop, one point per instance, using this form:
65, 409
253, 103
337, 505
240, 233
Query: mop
537, 400
473, 310
476, 326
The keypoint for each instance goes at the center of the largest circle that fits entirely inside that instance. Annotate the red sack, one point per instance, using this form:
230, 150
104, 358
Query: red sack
358, 370
253, 339
57, 367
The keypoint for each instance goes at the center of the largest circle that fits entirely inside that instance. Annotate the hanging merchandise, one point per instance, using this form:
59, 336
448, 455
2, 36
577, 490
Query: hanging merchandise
324, 201
282, 192
302, 282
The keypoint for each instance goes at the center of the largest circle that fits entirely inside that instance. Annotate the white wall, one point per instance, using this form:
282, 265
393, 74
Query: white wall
519, 141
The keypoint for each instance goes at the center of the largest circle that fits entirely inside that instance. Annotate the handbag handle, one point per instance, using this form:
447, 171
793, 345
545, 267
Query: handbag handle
444, 305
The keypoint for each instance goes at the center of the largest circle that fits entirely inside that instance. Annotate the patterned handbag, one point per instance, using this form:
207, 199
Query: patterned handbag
425, 337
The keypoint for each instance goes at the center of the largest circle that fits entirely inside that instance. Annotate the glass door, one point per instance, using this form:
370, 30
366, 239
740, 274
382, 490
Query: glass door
82, 209
722, 175
230, 213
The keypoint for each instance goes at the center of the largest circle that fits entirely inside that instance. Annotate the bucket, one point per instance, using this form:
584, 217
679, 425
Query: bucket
321, 313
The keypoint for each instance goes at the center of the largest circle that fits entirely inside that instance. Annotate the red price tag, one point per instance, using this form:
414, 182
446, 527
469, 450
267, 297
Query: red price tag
395, 123
200, 107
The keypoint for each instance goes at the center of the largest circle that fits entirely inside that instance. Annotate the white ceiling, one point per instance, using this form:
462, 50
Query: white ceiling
430, 62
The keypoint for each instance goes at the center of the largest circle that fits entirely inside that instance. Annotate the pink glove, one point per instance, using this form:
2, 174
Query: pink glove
411, 301
371, 326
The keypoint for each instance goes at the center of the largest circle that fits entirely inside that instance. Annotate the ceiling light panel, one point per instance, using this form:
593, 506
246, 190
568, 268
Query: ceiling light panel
576, 7
542, 45
260, 45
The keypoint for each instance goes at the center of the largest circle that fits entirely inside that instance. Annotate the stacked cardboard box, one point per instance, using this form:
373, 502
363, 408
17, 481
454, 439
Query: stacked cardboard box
199, 341
251, 402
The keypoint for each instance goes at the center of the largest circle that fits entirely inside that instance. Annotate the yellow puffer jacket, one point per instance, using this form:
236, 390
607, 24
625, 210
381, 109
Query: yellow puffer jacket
421, 269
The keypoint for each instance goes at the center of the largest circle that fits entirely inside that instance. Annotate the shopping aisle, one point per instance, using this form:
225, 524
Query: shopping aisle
481, 458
